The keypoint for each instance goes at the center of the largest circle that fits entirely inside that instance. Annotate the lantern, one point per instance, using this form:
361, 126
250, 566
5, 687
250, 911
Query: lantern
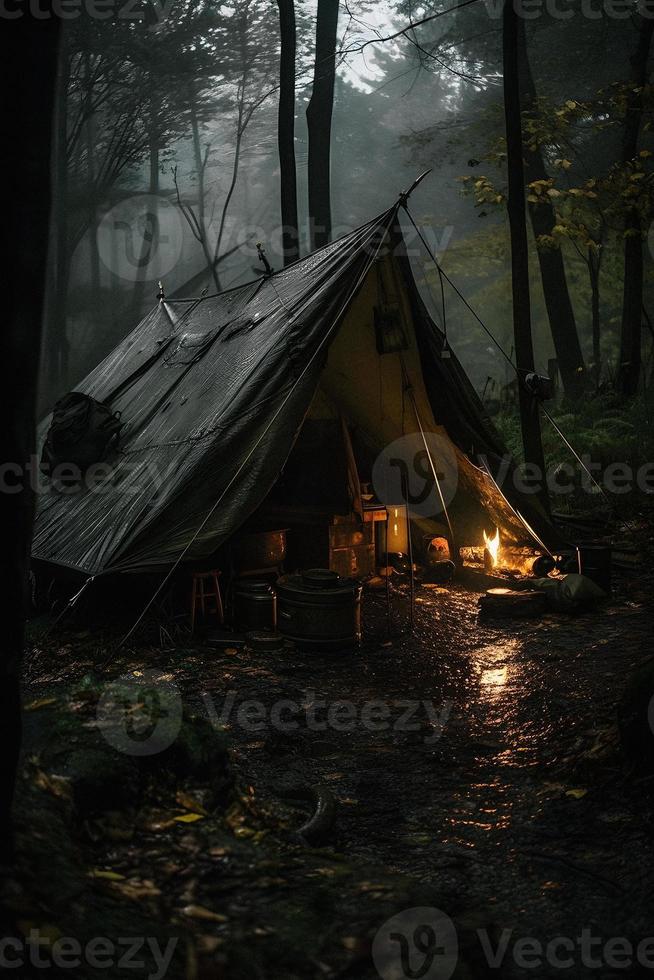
397, 534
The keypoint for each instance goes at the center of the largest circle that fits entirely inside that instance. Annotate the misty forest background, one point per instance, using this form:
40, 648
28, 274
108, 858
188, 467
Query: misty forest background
183, 114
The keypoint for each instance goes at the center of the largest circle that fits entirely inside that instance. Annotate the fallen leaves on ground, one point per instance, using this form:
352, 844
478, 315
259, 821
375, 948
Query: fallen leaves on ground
200, 912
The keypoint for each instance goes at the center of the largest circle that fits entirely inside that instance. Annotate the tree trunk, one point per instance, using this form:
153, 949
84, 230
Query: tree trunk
154, 166
286, 131
594, 263
319, 121
56, 330
524, 350
28, 61
632, 300
144, 292
552, 267
244, 115
200, 164
94, 256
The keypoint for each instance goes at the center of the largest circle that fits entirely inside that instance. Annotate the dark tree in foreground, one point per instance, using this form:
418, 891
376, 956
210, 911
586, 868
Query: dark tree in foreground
28, 65
286, 130
517, 211
319, 121
552, 267
632, 305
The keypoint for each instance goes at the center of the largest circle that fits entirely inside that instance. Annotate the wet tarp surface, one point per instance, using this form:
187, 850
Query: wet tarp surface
212, 393
211, 404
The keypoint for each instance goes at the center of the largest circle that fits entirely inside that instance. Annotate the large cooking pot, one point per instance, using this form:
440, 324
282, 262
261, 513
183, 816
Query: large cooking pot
318, 609
259, 550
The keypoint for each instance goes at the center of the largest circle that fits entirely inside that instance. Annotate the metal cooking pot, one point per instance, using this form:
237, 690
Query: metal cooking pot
254, 605
259, 550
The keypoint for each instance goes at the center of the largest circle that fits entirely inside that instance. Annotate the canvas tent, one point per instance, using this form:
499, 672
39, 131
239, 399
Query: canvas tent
213, 393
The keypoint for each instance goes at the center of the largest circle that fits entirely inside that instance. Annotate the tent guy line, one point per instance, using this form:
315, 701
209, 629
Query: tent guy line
518, 371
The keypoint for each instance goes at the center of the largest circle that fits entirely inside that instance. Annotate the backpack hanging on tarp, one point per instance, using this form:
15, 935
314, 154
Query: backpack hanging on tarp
82, 432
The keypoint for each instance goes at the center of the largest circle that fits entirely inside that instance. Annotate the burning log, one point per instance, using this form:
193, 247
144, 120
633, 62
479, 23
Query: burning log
501, 559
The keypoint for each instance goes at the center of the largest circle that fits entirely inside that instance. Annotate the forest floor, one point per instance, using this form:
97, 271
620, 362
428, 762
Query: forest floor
476, 769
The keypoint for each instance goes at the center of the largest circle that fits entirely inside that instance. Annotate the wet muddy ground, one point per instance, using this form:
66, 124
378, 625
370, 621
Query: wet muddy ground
480, 759
519, 803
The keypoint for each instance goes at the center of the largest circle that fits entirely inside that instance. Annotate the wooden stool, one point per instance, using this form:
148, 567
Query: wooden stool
206, 591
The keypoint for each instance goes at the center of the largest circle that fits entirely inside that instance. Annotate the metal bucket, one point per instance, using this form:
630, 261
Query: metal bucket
254, 605
595, 563
319, 610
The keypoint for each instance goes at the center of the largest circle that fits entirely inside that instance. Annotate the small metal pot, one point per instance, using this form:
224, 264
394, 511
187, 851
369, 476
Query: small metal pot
259, 550
440, 572
543, 565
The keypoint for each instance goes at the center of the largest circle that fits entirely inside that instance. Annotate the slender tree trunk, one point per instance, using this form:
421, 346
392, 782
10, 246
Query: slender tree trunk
243, 118
57, 334
240, 130
94, 257
200, 165
552, 267
154, 166
286, 131
199, 160
632, 300
319, 120
144, 291
524, 350
28, 49
594, 264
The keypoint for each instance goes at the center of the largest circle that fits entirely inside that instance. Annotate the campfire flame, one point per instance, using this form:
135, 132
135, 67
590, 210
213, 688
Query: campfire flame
493, 547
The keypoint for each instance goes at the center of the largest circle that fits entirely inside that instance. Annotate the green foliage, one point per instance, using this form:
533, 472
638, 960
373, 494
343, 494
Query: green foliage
600, 430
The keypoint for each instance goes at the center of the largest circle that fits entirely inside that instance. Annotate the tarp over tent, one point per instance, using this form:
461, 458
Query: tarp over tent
213, 392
